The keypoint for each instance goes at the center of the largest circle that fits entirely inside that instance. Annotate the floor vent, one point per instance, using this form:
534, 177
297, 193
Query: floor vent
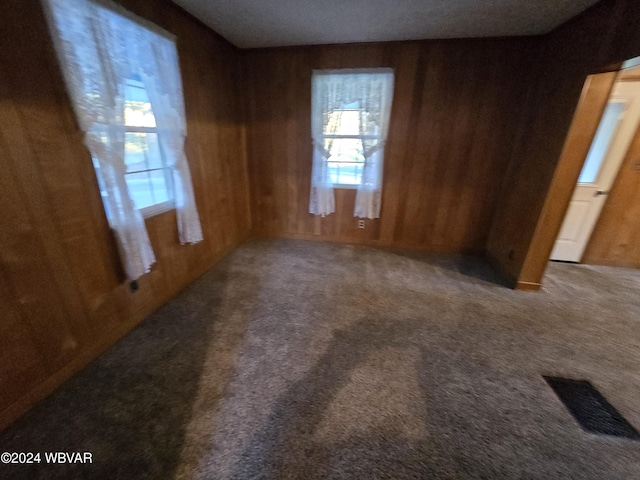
591, 409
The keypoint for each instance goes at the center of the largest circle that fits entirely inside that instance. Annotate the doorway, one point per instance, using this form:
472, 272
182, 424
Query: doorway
617, 127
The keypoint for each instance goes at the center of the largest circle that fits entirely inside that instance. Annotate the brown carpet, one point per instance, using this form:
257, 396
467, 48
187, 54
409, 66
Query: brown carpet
301, 360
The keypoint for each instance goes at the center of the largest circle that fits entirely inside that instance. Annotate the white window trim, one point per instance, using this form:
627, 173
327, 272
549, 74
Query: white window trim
157, 209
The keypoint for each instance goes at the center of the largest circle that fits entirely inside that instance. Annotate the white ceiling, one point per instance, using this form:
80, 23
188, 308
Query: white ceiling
272, 23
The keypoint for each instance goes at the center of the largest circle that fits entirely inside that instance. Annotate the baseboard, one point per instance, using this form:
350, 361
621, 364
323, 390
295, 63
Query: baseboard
512, 281
528, 286
426, 248
607, 262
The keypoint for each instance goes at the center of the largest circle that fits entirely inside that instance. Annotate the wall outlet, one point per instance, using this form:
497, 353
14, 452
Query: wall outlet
361, 223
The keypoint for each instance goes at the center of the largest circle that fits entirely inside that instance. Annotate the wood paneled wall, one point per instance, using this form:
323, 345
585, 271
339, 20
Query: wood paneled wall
616, 239
62, 295
451, 138
525, 226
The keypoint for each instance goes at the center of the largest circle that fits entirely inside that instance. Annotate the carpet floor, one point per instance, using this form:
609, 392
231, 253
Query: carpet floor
304, 360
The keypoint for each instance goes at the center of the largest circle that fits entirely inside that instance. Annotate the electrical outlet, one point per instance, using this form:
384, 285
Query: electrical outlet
361, 223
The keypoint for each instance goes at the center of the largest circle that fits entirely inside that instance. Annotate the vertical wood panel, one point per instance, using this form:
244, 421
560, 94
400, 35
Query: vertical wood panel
21, 362
26, 263
409, 77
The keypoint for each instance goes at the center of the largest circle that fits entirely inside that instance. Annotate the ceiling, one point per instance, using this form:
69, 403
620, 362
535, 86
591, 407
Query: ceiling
255, 23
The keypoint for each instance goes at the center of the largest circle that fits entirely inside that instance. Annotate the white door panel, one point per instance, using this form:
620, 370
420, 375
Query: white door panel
577, 213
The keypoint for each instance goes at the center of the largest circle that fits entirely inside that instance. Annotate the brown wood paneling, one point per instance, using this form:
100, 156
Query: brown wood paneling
63, 296
451, 135
616, 238
598, 40
20, 361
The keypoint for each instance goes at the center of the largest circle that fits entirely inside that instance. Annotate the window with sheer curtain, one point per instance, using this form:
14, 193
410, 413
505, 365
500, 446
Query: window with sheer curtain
350, 120
123, 77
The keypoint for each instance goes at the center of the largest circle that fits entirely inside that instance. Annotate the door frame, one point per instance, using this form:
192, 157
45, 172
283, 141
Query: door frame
593, 99
625, 92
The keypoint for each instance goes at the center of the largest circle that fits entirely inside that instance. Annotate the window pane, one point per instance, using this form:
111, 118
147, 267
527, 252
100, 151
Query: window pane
601, 142
153, 151
142, 151
343, 122
346, 161
159, 184
137, 108
148, 179
140, 189
135, 151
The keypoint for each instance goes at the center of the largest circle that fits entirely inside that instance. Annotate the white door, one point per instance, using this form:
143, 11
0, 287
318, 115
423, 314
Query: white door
610, 144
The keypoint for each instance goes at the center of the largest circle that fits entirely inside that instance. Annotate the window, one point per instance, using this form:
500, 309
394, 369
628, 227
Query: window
602, 141
148, 176
350, 114
346, 160
123, 77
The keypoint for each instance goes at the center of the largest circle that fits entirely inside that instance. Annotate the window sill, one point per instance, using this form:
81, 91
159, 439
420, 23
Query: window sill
345, 186
157, 209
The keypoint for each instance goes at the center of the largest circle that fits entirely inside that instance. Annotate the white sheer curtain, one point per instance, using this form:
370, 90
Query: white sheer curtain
377, 104
100, 46
332, 91
161, 78
322, 200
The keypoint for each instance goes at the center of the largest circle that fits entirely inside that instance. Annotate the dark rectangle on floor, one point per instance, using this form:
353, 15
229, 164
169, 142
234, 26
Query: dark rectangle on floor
592, 411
